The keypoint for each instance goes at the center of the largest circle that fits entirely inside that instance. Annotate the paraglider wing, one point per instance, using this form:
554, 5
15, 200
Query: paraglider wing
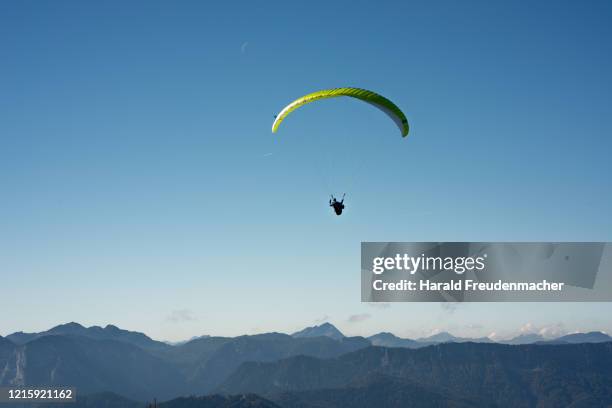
370, 97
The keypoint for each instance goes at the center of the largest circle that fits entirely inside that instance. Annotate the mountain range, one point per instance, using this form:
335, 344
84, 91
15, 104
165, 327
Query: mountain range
315, 367
459, 374
131, 364
109, 332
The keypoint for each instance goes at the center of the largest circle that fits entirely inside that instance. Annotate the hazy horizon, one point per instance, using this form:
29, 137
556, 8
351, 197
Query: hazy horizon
548, 332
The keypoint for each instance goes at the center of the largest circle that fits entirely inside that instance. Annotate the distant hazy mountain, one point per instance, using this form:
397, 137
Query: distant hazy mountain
390, 340
445, 337
109, 332
326, 329
491, 374
576, 338
442, 337
524, 339
181, 342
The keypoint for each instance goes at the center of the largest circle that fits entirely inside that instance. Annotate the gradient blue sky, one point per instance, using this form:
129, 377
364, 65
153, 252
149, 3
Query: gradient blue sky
140, 184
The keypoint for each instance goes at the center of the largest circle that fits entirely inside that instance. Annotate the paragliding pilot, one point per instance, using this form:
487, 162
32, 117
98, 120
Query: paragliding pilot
337, 205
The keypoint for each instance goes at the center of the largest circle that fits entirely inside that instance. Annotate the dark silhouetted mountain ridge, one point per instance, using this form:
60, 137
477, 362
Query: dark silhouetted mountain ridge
375, 391
111, 400
502, 375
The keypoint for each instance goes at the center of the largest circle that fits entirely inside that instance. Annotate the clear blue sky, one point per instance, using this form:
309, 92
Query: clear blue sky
140, 184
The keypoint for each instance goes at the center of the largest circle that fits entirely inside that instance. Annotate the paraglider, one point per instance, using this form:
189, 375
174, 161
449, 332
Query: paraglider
372, 98
364, 95
338, 206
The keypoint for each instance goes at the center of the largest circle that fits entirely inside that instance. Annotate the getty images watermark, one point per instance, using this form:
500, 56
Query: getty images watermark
486, 271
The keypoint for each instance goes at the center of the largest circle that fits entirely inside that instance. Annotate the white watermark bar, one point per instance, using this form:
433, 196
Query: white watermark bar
486, 272
37, 394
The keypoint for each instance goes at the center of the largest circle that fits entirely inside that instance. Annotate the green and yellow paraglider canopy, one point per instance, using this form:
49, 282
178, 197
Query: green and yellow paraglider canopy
370, 97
